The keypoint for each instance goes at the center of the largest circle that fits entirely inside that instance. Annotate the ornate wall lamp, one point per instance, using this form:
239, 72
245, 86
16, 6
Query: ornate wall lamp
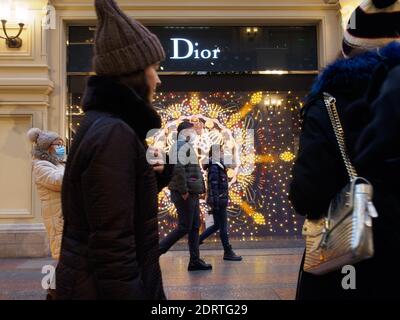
20, 13
13, 42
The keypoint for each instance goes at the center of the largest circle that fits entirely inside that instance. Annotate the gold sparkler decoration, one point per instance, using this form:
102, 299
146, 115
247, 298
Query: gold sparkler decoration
195, 104
256, 98
287, 156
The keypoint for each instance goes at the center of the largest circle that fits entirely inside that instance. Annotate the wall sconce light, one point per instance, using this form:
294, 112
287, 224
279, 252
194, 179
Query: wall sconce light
14, 42
20, 13
251, 32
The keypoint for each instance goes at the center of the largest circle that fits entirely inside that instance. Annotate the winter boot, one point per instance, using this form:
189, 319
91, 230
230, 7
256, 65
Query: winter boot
195, 265
230, 255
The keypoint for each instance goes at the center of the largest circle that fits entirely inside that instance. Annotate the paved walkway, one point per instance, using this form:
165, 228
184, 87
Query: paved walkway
264, 274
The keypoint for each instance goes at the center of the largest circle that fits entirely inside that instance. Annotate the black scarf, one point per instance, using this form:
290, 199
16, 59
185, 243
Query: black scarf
105, 94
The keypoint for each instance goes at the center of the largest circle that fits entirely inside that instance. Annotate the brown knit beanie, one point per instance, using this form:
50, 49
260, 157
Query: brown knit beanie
122, 44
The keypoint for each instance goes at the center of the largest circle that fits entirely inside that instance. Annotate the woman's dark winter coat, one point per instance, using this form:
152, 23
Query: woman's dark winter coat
187, 175
379, 142
217, 180
109, 201
319, 172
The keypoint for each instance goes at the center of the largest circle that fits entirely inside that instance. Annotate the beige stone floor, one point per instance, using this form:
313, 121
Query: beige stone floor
264, 274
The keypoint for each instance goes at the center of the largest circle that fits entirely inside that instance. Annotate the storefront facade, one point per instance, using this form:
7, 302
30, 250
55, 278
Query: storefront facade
41, 84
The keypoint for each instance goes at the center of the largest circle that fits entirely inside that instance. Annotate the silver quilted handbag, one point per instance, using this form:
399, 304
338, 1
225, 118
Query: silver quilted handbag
344, 236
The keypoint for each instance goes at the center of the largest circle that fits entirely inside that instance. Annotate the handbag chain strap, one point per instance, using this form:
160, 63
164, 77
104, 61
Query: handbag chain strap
330, 103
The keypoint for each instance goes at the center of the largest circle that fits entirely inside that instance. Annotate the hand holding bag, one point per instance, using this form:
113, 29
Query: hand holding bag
344, 236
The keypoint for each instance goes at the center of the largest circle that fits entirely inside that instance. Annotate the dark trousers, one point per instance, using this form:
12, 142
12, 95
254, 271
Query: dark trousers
188, 223
221, 224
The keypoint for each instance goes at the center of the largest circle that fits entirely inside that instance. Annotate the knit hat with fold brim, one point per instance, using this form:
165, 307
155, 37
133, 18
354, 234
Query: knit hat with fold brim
374, 24
42, 139
122, 44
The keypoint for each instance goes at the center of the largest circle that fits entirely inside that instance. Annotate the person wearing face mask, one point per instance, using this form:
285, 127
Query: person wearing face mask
110, 190
186, 185
48, 171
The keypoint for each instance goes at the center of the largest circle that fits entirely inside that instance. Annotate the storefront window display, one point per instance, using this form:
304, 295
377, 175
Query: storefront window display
229, 104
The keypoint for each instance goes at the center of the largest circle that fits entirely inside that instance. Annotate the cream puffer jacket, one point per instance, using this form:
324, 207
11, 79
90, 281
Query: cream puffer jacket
48, 178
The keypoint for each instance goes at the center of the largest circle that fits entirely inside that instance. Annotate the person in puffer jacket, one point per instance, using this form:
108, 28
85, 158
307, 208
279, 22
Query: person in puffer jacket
48, 171
110, 188
217, 199
186, 186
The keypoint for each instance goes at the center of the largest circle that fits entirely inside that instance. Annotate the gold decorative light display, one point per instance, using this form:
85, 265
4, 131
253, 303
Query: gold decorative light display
261, 171
287, 156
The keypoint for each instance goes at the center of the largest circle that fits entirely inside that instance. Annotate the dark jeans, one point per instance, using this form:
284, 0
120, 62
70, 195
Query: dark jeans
189, 223
221, 224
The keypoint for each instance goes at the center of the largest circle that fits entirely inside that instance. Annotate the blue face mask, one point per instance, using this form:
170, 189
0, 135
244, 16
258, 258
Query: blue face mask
60, 152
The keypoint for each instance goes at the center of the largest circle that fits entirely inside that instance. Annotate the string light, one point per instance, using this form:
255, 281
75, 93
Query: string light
258, 199
287, 156
256, 98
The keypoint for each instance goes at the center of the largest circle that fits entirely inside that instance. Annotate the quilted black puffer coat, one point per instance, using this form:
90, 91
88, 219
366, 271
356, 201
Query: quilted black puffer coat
109, 200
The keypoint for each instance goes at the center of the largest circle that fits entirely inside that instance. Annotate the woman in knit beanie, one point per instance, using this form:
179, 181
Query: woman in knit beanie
48, 171
319, 173
110, 192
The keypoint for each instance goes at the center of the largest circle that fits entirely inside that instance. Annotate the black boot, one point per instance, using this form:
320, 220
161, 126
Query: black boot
230, 255
198, 264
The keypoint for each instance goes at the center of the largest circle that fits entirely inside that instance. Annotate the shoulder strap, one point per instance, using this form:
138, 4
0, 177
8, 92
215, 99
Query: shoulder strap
330, 103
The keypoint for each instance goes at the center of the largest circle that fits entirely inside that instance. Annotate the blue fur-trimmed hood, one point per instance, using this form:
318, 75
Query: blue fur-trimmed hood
352, 76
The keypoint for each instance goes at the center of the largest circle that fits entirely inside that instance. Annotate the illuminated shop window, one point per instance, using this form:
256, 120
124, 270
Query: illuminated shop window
239, 78
259, 180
